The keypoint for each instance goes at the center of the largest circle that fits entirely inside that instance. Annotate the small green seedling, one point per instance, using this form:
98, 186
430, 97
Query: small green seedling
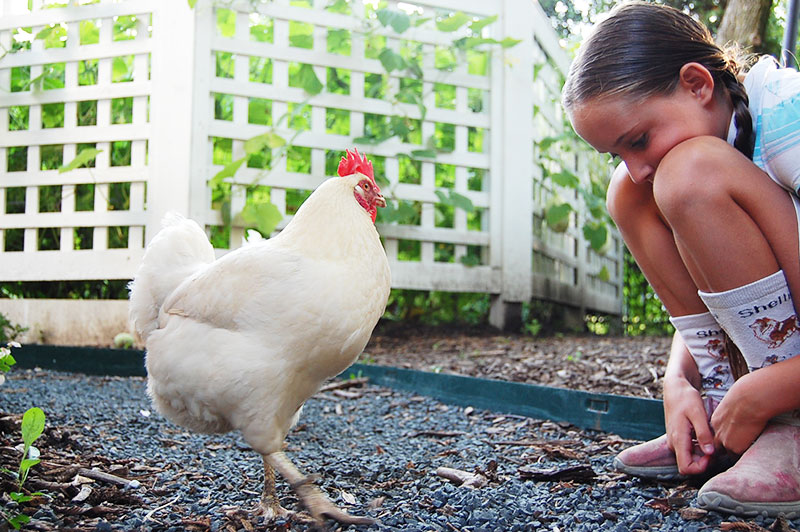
6, 360
32, 428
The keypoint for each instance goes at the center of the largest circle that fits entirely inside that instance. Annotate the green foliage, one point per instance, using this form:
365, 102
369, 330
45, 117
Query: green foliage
97, 289
405, 61
124, 340
9, 331
552, 151
643, 312
437, 308
85, 157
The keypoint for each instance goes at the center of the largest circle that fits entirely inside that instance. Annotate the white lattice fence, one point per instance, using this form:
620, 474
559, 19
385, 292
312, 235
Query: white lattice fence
433, 247
89, 222
223, 75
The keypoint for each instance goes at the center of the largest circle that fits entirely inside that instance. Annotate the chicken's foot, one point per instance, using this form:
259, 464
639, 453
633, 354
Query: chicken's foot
269, 506
317, 504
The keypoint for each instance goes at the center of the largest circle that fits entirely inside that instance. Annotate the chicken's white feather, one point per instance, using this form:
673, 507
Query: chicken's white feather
243, 341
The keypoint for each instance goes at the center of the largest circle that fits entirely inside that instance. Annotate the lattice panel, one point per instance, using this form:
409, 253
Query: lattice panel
78, 80
257, 62
566, 257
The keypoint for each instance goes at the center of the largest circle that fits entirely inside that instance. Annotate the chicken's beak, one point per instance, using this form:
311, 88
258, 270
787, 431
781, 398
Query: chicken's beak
379, 200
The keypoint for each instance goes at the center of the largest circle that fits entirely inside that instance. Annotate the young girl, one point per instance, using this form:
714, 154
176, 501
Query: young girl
705, 199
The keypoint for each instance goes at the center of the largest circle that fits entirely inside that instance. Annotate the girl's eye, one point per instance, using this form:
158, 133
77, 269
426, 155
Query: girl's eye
641, 142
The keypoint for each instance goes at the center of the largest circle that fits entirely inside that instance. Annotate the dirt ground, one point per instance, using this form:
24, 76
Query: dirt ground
619, 365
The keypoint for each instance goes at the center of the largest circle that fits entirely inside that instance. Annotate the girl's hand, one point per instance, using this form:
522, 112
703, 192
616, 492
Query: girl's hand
686, 419
742, 414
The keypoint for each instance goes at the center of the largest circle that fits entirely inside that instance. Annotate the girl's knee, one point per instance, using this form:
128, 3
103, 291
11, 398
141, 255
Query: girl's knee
693, 174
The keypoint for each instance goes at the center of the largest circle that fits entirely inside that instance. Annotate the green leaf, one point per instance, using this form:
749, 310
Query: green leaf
508, 42
17, 496
7, 361
192, 3
44, 33
461, 202
229, 170
478, 25
423, 154
265, 140
565, 178
302, 41
28, 463
121, 69
263, 217
403, 213
398, 20
470, 260
391, 60
82, 158
557, 217
603, 274
471, 42
452, 23
596, 234
454, 199
32, 425
17, 521
308, 79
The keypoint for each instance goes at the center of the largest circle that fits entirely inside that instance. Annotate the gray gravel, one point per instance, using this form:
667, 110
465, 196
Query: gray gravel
376, 455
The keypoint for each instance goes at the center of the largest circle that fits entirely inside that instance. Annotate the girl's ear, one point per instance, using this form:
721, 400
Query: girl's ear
696, 78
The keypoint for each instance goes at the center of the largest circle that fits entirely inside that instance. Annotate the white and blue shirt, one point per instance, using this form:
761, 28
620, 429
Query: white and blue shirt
774, 95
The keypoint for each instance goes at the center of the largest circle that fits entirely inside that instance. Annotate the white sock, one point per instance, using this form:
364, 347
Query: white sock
705, 340
760, 318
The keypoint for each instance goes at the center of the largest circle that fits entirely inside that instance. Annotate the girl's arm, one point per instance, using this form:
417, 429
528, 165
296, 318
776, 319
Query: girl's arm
684, 413
753, 400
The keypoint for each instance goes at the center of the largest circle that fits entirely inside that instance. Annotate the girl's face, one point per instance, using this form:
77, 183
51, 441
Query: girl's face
642, 131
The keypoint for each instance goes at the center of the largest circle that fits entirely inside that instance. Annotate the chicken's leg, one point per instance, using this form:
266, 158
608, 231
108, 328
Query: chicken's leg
317, 504
269, 506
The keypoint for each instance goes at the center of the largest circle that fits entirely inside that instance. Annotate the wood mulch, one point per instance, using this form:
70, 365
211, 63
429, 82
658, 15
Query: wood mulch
631, 366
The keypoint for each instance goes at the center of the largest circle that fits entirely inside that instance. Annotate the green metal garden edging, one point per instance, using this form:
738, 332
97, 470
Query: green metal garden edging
629, 417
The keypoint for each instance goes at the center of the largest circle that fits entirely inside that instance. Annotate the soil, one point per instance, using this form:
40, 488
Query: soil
631, 366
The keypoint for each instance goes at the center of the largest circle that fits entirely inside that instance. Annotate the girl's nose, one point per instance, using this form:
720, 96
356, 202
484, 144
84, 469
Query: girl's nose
640, 172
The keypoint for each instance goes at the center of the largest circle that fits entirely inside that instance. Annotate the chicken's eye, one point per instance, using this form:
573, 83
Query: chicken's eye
365, 185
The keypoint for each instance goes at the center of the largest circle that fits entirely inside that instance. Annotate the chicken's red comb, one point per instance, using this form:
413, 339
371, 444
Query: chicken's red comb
355, 162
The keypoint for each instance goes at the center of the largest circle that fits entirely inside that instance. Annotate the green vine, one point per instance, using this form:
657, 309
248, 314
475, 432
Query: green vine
406, 62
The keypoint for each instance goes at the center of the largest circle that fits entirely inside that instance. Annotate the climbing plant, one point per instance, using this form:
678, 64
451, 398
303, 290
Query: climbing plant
272, 147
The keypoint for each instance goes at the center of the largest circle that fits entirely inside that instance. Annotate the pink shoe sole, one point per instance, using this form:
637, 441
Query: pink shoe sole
653, 459
719, 502
653, 472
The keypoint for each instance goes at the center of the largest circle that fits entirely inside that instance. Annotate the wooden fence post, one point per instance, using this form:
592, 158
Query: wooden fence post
512, 163
172, 112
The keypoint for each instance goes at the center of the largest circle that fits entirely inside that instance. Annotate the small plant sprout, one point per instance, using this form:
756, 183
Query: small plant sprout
6, 360
32, 428
124, 340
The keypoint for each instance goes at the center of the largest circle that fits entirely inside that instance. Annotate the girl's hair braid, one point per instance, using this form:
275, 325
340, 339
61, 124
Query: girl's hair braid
745, 136
639, 50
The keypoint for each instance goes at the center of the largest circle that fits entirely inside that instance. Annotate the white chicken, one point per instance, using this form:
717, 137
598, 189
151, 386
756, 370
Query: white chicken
241, 342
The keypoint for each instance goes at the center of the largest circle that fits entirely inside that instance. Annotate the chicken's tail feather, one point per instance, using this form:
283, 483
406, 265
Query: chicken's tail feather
179, 250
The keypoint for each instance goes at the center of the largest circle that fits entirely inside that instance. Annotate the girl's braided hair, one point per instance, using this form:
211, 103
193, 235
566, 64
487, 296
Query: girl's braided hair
638, 51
